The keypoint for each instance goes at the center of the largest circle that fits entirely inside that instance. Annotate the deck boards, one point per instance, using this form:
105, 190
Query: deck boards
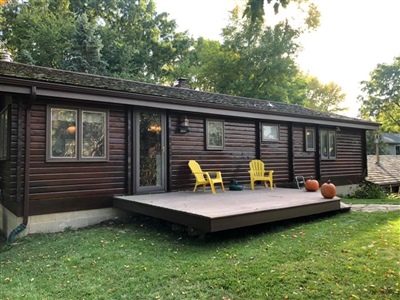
232, 209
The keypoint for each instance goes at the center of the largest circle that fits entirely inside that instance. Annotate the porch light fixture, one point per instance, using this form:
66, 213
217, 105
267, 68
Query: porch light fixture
183, 124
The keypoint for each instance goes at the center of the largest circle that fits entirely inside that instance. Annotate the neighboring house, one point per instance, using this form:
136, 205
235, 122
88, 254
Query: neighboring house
392, 140
384, 170
70, 142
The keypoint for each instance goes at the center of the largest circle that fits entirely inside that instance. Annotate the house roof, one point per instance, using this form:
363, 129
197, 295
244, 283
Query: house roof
386, 172
20, 78
391, 138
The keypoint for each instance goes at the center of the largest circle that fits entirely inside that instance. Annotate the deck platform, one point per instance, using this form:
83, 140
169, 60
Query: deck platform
228, 210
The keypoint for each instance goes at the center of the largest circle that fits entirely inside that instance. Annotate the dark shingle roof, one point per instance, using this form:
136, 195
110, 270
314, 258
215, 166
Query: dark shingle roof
391, 138
190, 97
386, 172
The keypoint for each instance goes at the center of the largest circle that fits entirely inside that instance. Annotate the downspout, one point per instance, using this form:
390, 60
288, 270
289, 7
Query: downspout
21, 227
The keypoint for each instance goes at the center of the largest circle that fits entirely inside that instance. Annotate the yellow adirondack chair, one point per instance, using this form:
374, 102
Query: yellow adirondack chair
257, 173
204, 178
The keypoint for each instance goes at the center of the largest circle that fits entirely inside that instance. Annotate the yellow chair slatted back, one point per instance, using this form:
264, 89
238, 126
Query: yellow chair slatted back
257, 173
204, 178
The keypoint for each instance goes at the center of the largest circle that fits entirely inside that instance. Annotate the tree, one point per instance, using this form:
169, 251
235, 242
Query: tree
380, 100
84, 53
39, 29
253, 61
324, 97
254, 10
141, 44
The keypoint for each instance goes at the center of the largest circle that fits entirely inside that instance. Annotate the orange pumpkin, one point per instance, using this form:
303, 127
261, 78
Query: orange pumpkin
311, 185
328, 190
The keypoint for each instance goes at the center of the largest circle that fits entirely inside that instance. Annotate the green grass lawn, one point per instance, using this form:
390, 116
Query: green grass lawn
352, 255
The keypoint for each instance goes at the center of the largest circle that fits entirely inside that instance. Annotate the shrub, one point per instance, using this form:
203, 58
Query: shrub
368, 190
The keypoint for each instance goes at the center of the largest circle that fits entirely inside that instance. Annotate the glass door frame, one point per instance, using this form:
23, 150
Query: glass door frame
136, 154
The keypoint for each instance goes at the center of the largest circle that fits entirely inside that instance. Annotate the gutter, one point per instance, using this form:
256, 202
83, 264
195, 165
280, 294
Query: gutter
25, 218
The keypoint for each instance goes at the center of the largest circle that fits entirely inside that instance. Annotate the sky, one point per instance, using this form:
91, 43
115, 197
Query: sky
353, 38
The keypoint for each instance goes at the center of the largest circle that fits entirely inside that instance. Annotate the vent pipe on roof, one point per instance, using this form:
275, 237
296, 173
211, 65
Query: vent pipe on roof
182, 83
377, 137
4, 54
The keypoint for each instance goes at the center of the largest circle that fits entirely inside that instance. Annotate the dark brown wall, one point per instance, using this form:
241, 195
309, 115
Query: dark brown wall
65, 186
240, 140
10, 170
275, 155
304, 161
69, 186
348, 167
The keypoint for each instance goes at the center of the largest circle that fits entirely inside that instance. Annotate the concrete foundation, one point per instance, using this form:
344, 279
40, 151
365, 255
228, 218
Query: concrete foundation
58, 221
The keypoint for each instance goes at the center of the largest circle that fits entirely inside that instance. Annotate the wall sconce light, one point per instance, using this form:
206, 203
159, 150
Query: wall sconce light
338, 129
183, 124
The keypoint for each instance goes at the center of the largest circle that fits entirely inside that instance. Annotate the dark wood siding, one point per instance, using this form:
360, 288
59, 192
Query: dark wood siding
10, 170
304, 161
348, 166
232, 161
275, 155
68, 186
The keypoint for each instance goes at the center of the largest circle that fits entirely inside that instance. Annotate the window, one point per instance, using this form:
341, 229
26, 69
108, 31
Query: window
328, 144
397, 150
215, 134
77, 134
270, 132
310, 139
4, 132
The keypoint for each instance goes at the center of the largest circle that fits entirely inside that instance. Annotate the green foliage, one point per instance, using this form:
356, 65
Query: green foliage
38, 30
254, 10
138, 43
253, 61
324, 97
368, 190
381, 96
146, 260
84, 53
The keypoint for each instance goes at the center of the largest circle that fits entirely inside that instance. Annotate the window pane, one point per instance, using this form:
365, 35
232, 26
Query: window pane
310, 140
324, 144
93, 134
270, 132
215, 134
3, 134
332, 144
63, 133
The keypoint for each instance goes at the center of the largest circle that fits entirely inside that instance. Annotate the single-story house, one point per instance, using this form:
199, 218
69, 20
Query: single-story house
70, 142
392, 140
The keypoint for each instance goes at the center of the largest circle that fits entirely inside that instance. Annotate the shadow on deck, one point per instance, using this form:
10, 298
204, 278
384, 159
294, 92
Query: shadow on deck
232, 209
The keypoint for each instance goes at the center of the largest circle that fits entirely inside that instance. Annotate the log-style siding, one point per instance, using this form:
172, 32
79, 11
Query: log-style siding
10, 170
232, 161
304, 162
68, 186
348, 165
275, 155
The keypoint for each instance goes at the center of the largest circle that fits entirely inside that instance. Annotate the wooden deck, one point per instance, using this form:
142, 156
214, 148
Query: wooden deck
232, 209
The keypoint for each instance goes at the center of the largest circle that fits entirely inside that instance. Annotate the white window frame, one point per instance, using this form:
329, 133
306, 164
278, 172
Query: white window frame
5, 121
270, 132
309, 132
328, 144
78, 135
211, 143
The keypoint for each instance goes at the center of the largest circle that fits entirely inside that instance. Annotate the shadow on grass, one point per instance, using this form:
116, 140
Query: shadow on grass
176, 231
